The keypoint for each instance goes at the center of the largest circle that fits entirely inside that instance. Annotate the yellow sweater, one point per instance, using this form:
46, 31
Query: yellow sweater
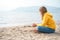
48, 21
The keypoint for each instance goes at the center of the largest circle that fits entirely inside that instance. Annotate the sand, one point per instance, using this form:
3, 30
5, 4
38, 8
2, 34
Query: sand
25, 33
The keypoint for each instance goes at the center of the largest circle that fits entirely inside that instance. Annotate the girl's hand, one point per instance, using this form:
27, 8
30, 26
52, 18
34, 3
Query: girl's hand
34, 25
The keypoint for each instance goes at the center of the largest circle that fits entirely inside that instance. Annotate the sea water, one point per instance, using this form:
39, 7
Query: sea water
14, 18
22, 18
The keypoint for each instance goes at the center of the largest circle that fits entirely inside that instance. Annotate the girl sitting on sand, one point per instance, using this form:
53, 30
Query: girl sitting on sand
48, 24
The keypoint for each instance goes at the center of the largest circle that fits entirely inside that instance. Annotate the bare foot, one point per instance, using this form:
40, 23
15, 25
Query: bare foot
35, 30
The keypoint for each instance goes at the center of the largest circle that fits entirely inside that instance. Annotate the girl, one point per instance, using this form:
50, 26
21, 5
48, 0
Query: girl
48, 24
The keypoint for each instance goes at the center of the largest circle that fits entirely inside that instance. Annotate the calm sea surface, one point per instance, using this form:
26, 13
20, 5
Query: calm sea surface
15, 18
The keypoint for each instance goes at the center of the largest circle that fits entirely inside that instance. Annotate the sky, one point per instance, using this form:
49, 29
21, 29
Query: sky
6, 5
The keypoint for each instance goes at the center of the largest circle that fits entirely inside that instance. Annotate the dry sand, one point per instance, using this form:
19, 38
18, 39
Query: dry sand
25, 33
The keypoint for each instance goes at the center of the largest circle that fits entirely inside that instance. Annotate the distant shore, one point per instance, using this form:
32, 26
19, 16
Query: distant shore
25, 33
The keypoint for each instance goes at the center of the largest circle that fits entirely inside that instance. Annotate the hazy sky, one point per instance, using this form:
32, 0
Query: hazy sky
13, 4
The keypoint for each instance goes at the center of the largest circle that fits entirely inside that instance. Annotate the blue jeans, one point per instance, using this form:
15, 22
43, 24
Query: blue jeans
45, 29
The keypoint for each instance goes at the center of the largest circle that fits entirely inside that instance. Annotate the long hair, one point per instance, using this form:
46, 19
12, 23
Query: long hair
45, 10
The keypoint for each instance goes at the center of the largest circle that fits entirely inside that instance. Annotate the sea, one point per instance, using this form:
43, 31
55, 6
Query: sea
10, 18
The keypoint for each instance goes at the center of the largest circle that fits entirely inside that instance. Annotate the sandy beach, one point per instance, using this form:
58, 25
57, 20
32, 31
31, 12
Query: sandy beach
25, 33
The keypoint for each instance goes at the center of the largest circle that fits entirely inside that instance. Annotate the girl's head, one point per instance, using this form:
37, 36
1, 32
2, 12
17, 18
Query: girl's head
43, 10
